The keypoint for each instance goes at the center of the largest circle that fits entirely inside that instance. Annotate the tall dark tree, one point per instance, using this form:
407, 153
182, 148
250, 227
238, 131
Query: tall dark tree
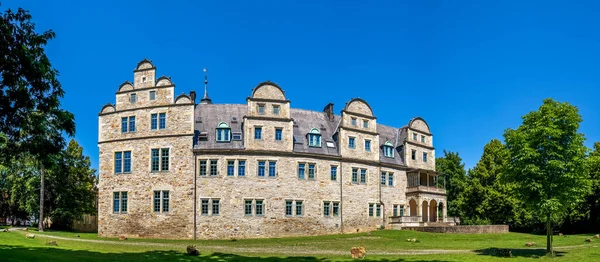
548, 162
30, 113
451, 167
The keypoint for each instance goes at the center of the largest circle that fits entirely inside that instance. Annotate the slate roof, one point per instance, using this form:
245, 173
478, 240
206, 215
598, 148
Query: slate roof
208, 116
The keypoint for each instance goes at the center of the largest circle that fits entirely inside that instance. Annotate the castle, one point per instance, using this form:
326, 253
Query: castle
171, 168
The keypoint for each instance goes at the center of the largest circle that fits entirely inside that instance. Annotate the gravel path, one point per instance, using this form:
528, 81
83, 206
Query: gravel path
273, 250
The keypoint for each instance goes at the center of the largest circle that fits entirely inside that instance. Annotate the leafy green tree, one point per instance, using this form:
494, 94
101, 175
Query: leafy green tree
487, 199
451, 167
30, 113
586, 216
72, 187
548, 162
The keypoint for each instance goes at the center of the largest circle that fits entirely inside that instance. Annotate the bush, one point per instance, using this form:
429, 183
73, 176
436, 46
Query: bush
192, 250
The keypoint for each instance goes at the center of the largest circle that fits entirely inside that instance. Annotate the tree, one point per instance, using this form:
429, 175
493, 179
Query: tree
71, 187
487, 199
450, 166
548, 162
30, 113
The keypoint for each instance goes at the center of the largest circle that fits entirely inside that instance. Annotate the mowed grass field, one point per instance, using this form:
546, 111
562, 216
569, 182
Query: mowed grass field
384, 245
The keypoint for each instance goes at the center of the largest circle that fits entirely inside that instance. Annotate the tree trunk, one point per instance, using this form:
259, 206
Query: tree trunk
41, 222
549, 236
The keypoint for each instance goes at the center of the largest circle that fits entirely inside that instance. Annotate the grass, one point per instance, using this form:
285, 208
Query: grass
382, 245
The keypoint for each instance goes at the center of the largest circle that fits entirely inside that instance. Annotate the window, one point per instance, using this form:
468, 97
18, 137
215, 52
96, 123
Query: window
368, 145
311, 171
120, 202
160, 160
127, 162
152, 95
204, 210
415, 136
154, 121
395, 210
276, 109
401, 211
326, 208
261, 168
422, 139
314, 138
127, 124
383, 178
353, 121
278, 134
414, 154
118, 162
132, 124
259, 208
366, 123
424, 157
248, 207
388, 149
336, 209
230, 167
164, 159
133, 98
288, 208
123, 162
241, 167
236, 136
202, 167
390, 179
363, 176
333, 172
378, 210
371, 207
162, 120
301, 167
215, 207
223, 132
258, 133
299, 208
272, 168
351, 142
261, 109
214, 168
161, 201
355, 175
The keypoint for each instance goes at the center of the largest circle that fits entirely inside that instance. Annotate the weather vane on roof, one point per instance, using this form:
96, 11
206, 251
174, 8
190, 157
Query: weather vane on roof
205, 99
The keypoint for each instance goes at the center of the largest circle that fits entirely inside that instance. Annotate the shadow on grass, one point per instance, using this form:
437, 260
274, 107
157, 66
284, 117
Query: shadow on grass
21, 253
516, 252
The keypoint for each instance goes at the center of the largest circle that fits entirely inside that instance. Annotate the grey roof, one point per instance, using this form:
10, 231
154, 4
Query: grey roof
304, 121
211, 115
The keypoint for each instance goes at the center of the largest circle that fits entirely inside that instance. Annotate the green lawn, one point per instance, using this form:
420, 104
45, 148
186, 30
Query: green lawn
385, 245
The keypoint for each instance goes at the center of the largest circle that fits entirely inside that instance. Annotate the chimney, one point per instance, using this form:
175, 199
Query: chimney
329, 111
193, 96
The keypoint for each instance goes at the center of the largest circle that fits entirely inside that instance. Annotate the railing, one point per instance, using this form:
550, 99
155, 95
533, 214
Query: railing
407, 219
425, 189
455, 220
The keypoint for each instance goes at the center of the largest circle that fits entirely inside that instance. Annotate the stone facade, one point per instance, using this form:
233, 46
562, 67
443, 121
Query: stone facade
204, 170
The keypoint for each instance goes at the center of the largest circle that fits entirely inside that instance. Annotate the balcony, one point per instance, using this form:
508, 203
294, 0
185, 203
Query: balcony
408, 219
429, 189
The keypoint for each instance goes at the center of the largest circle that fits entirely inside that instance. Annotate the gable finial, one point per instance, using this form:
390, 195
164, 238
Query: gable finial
205, 99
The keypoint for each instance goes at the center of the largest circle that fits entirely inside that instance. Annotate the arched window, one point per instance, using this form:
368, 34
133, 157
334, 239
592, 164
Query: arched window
314, 138
388, 149
223, 132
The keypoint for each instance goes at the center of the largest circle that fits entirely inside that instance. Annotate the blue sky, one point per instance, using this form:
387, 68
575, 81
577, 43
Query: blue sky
469, 68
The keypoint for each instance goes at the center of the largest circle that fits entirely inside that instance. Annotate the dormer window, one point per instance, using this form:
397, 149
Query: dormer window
223, 132
314, 138
388, 149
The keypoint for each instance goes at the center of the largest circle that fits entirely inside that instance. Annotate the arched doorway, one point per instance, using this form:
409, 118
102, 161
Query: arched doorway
413, 207
441, 211
433, 211
425, 211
